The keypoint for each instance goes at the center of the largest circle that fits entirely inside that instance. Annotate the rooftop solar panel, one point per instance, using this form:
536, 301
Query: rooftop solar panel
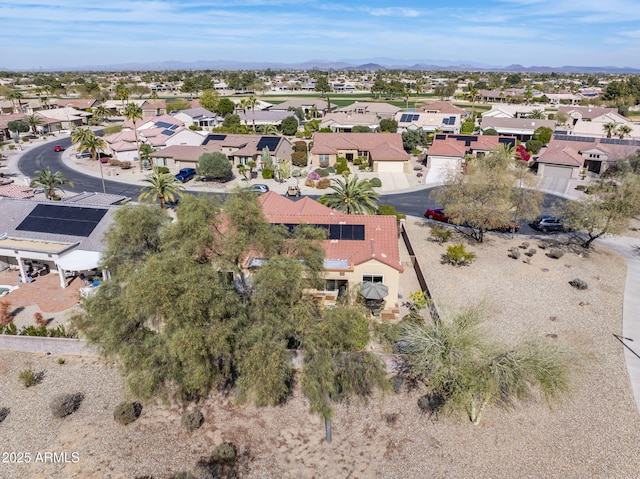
405, 118
167, 132
336, 232
214, 137
62, 220
270, 142
163, 124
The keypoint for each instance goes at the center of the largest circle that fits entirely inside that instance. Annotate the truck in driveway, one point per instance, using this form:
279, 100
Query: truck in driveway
186, 174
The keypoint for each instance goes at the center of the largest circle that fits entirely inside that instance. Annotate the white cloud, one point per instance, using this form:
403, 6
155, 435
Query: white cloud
394, 12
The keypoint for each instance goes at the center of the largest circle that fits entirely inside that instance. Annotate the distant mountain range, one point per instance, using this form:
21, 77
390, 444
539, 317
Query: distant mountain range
371, 64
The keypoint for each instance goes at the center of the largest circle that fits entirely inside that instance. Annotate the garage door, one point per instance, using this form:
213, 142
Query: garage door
554, 171
442, 163
390, 166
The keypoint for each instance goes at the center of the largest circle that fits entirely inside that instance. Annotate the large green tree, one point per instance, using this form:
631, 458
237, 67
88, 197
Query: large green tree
209, 99
322, 85
214, 165
289, 126
352, 196
463, 371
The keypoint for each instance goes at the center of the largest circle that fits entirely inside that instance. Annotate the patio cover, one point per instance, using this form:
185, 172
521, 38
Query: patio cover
79, 260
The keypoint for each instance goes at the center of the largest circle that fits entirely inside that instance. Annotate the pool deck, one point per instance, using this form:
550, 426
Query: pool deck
44, 292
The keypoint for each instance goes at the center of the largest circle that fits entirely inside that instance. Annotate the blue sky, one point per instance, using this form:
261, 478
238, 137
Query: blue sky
73, 33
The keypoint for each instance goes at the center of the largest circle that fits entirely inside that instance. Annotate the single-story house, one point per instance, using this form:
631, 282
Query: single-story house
380, 109
429, 122
521, 128
198, 117
444, 107
59, 237
358, 248
510, 111
384, 151
345, 122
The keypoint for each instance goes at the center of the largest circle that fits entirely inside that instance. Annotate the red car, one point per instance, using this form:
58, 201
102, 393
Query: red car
58, 148
437, 214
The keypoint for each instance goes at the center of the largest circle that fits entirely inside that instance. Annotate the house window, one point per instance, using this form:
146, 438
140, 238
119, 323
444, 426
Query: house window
323, 160
372, 278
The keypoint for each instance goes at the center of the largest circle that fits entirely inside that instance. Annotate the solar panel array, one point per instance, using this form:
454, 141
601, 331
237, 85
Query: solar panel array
163, 124
62, 220
449, 121
440, 136
214, 137
409, 117
270, 142
620, 141
507, 141
574, 138
167, 132
336, 232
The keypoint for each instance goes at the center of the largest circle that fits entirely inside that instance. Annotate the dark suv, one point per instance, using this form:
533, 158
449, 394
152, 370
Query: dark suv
185, 174
547, 223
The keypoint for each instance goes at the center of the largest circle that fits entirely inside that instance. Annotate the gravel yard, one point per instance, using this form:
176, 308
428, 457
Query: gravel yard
593, 435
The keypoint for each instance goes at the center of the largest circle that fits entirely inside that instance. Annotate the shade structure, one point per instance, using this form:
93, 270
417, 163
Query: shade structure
374, 290
79, 260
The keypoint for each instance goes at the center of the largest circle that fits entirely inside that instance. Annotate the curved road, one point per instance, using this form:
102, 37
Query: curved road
413, 203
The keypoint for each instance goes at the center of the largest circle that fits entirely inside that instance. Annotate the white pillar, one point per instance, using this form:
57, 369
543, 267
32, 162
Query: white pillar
23, 272
63, 279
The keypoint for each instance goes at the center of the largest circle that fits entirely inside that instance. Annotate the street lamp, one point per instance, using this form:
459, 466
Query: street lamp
101, 172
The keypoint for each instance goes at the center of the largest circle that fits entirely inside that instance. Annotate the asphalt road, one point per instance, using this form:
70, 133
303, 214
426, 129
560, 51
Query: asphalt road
413, 203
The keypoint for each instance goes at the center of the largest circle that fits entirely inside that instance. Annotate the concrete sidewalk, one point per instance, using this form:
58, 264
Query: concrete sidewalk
629, 249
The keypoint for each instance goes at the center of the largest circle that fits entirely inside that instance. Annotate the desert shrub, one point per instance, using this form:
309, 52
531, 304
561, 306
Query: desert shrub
363, 166
346, 172
357, 161
300, 146
524, 245
322, 172
386, 334
341, 168
431, 403
314, 175
61, 361
225, 453
375, 182
341, 160
39, 319
531, 252
267, 173
514, 253
125, 165
299, 159
331, 169
457, 255
25, 139
162, 169
9, 328
192, 420
30, 378
310, 183
127, 412
5, 312
12, 147
441, 234
114, 162
65, 404
579, 283
581, 187
397, 382
323, 184
4, 412
390, 210
555, 253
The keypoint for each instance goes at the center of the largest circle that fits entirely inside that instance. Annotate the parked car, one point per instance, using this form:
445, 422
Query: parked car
437, 214
547, 223
186, 174
259, 188
293, 191
58, 148
83, 154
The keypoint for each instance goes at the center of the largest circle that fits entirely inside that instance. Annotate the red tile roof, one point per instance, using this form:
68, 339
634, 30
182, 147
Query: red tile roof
381, 232
456, 147
442, 107
381, 146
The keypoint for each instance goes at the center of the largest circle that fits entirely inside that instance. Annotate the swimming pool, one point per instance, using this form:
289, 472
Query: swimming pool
6, 289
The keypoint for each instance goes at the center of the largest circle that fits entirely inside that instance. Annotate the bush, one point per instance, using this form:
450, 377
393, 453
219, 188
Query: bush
323, 184
397, 382
514, 253
457, 255
555, 253
441, 234
192, 420
341, 167
214, 165
300, 146
431, 403
375, 182
321, 172
30, 378
531, 252
299, 159
363, 166
125, 165
341, 160
114, 162
162, 169
127, 412
225, 453
524, 245
579, 283
310, 183
25, 139
267, 173
534, 146
357, 161
4, 412
331, 169
390, 210
581, 187
65, 404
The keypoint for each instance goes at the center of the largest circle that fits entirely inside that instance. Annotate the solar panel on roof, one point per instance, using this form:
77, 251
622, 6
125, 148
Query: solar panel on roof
574, 138
415, 117
271, 142
452, 120
404, 118
174, 127
167, 132
163, 124
440, 137
214, 137
335, 232
62, 220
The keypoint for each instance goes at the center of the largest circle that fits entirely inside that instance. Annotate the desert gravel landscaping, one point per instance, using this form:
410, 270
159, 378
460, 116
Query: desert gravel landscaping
594, 434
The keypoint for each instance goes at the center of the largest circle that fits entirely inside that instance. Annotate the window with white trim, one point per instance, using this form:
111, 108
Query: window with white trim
372, 278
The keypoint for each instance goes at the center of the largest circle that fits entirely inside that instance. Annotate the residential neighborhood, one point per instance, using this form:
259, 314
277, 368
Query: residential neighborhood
269, 256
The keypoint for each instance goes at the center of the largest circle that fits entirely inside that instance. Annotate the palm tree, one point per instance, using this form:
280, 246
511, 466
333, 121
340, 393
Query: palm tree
465, 372
13, 96
34, 121
78, 134
609, 128
623, 130
145, 153
101, 111
94, 145
133, 112
268, 129
537, 114
352, 196
252, 103
162, 186
50, 182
